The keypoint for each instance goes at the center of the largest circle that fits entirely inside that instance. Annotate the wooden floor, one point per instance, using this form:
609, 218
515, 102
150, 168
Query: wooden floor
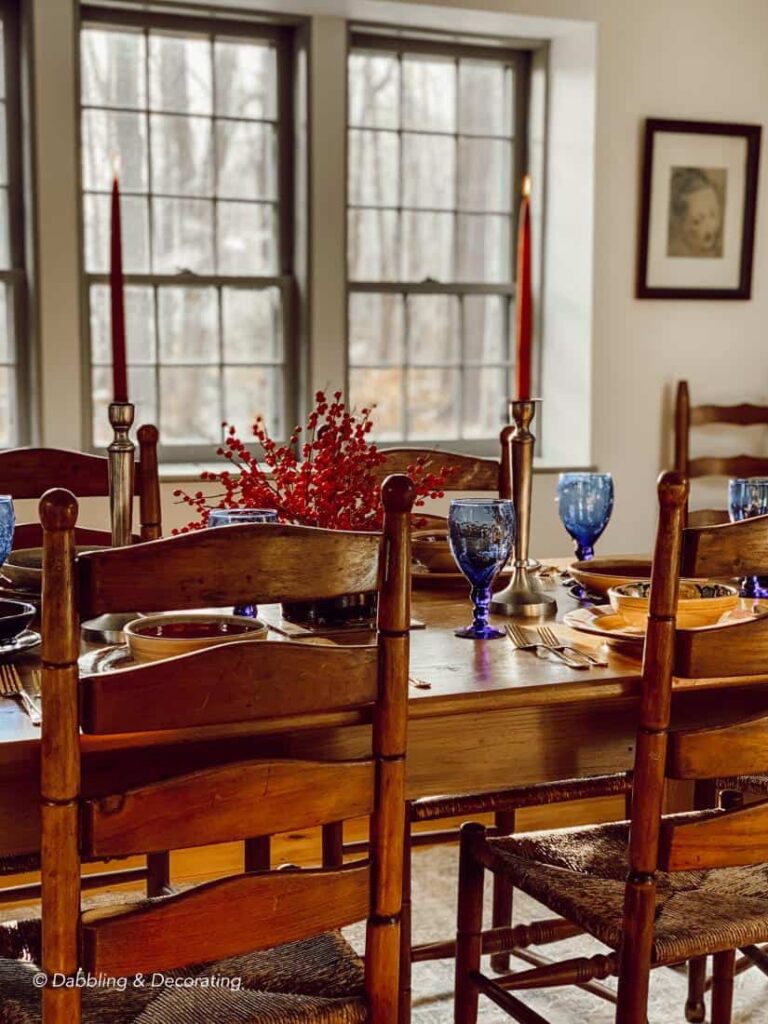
303, 848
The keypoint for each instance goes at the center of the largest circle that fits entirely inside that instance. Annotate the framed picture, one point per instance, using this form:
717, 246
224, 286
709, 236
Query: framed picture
697, 220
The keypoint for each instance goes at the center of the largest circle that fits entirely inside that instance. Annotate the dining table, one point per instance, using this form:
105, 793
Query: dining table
483, 716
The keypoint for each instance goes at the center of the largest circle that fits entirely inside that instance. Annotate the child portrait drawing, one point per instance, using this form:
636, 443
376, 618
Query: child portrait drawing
696, 212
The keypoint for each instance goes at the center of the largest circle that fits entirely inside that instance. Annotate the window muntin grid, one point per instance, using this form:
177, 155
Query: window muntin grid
434, 143
197, 115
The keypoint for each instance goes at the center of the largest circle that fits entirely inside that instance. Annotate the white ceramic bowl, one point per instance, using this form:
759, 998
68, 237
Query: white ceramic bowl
167, 634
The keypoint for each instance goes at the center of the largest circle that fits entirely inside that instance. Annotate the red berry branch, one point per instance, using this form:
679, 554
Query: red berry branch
326, 479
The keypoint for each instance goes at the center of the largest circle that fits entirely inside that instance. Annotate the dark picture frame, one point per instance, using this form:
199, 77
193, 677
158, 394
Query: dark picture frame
683, 245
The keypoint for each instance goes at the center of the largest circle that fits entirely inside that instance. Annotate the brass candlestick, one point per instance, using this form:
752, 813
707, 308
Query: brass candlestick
121, 454
523, 596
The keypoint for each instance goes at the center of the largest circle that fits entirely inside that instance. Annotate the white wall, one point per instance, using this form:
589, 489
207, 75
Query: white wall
698, 59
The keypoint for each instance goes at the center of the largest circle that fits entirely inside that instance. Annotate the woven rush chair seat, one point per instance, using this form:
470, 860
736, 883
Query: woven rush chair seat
311, 981
581, 874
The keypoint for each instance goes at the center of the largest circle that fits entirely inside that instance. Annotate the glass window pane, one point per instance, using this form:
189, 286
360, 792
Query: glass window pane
429, 171
247, 238
483, 323
483, 248
8, 426
251, 391
5, 255
180, 74
429, 93
372, 245
486, 393
252, 325
6, 324
374, 169
376, 328
382, 391
485, 175
374, 89
246, 156
182, 236
2, 59
246, 79
114, 141
112, 67
433, 407
142, 391
3, 146
427, 249
182, 155
433, 328
190, 410
134, 224
485, 98
188, 323
139, 324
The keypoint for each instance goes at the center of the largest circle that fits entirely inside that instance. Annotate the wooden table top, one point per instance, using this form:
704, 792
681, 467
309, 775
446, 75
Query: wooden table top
463, 676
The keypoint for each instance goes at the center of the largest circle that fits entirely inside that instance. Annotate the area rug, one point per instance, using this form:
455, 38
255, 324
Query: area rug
434, 906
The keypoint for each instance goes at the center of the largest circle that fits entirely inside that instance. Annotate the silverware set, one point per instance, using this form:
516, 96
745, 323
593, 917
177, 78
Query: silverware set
544, 643
12, 687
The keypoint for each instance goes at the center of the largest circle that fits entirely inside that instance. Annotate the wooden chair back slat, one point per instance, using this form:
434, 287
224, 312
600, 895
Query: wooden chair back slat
231, 916
737, 649
743, 415
466, 472
30, 535
236, 682
726, 551
223, 918
728, 465
235, 801
726, 839
237, 565
708, 517
721, 751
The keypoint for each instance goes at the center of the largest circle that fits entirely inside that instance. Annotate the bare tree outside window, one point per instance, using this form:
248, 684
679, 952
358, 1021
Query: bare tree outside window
194, 117
434, 149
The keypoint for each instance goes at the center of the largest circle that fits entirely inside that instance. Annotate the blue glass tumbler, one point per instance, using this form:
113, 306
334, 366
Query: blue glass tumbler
481, 534
236, 517
747, 498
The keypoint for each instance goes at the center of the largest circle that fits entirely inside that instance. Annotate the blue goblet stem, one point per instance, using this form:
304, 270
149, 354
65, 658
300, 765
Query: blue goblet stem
584, 552
754, 586
481, 602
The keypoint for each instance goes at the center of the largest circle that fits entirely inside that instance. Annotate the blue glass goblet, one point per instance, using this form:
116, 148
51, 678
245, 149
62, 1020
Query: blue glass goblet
236, 517
585, 503
481, 534
7, 526
747, 498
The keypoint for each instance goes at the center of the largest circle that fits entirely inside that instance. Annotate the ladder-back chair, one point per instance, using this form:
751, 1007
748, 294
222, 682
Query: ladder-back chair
658, 890
30, 472
471, 473
297, 784
686, 417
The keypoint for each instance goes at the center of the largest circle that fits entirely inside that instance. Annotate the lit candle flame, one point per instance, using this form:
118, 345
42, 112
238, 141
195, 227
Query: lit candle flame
527, 186
115, 161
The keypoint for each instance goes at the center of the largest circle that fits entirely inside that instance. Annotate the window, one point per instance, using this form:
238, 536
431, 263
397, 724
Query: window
14, 354
198, 114
436, 144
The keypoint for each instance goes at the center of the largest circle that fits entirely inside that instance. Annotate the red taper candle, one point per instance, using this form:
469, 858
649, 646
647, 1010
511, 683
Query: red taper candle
524, 300
119, 368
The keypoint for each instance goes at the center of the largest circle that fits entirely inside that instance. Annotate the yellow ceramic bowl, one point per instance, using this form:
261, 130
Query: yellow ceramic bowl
699, 604
165, 635
432, 550
598, 575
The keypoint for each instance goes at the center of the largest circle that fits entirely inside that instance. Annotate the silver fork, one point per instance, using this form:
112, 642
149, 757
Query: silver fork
550, 639
522, 642
11, 686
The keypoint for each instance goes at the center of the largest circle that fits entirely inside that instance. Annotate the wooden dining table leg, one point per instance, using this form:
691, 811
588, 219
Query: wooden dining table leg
158, 873
333, 844
257, 853
502, 893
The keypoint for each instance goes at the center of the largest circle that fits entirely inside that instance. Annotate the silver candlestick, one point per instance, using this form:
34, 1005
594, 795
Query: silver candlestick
523, 596
121, 455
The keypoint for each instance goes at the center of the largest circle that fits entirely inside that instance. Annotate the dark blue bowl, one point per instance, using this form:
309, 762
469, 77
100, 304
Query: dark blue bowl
15, 617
